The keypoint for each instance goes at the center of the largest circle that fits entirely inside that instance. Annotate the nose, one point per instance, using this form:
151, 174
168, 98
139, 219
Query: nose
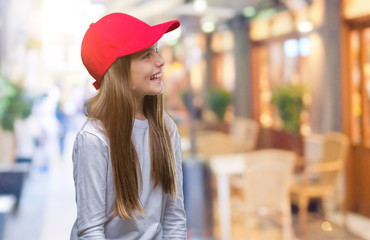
160, 61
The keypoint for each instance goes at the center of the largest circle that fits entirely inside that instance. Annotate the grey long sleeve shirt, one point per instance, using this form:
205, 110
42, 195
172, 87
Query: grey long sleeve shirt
95, 194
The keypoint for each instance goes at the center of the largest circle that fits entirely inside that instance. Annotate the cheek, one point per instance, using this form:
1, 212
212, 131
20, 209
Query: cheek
136, 74
143, 72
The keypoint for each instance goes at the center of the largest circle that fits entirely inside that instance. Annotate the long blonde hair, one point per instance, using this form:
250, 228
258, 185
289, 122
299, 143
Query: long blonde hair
114, 106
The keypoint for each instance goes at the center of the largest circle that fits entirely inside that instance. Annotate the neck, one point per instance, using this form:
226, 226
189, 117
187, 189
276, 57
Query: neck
139, 111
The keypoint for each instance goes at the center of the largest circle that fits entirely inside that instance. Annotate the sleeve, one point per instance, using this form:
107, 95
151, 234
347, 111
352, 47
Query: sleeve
174, 221
90, 156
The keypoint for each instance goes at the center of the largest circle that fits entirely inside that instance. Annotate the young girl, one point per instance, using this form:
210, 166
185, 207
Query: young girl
127, 156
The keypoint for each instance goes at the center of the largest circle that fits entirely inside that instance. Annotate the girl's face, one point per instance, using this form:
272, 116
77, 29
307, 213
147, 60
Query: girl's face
146, 72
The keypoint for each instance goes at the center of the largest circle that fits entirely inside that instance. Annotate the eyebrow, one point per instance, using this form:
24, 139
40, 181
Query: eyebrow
146, 50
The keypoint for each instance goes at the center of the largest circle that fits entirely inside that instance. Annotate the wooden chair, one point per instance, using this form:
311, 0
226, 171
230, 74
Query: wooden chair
267, 179
320, 178
312, 148
212, 143
245, 133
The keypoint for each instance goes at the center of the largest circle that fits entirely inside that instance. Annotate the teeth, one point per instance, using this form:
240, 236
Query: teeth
156, 76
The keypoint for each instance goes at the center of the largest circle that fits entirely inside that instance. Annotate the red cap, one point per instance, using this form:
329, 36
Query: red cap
116, 35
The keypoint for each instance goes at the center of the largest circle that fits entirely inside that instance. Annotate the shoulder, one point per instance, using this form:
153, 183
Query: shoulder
90, 152
93, 130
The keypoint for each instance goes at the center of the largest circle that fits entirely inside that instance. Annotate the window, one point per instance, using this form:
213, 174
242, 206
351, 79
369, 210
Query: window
360, 85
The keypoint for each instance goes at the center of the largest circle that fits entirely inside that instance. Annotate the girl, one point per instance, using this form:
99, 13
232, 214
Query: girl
127, 156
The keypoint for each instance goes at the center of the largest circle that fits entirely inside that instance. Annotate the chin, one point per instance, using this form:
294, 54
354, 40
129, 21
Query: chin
159, 91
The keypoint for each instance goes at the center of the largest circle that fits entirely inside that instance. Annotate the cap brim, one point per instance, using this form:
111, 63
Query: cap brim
149, 36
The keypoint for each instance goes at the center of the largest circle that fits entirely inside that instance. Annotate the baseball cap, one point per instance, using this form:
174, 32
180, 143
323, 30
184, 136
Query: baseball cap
116, 35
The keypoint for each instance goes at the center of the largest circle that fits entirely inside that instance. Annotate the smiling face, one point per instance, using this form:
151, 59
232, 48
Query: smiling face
146, 72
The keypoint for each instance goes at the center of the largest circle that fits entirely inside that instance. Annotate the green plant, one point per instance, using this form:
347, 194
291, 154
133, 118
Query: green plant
14, 104
288, 99
218, 100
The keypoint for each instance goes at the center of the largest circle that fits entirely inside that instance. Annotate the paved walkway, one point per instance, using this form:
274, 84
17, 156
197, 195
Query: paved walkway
47, 208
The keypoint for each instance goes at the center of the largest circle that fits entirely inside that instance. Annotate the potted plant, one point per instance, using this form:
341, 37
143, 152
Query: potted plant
288, 99
14, 104
219, 100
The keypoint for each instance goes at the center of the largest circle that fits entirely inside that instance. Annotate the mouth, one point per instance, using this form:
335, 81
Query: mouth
157, 76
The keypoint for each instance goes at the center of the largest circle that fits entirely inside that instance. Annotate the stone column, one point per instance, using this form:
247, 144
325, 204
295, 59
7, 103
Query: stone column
209, 66
330, 114
243, 79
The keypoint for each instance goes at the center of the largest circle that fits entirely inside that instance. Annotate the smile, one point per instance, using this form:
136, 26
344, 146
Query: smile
156, 76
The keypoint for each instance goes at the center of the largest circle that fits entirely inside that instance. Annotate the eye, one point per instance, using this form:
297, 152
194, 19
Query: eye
157, 49
147, 55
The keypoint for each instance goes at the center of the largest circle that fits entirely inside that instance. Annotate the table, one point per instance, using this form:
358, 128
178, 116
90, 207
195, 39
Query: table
223, 166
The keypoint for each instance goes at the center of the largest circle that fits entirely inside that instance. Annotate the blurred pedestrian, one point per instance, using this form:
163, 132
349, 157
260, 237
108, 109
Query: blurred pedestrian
46, 124
127, 156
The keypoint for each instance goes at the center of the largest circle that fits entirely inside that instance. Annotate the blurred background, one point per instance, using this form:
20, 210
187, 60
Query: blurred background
271, 99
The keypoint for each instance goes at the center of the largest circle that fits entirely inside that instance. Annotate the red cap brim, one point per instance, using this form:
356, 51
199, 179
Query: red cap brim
148, 37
